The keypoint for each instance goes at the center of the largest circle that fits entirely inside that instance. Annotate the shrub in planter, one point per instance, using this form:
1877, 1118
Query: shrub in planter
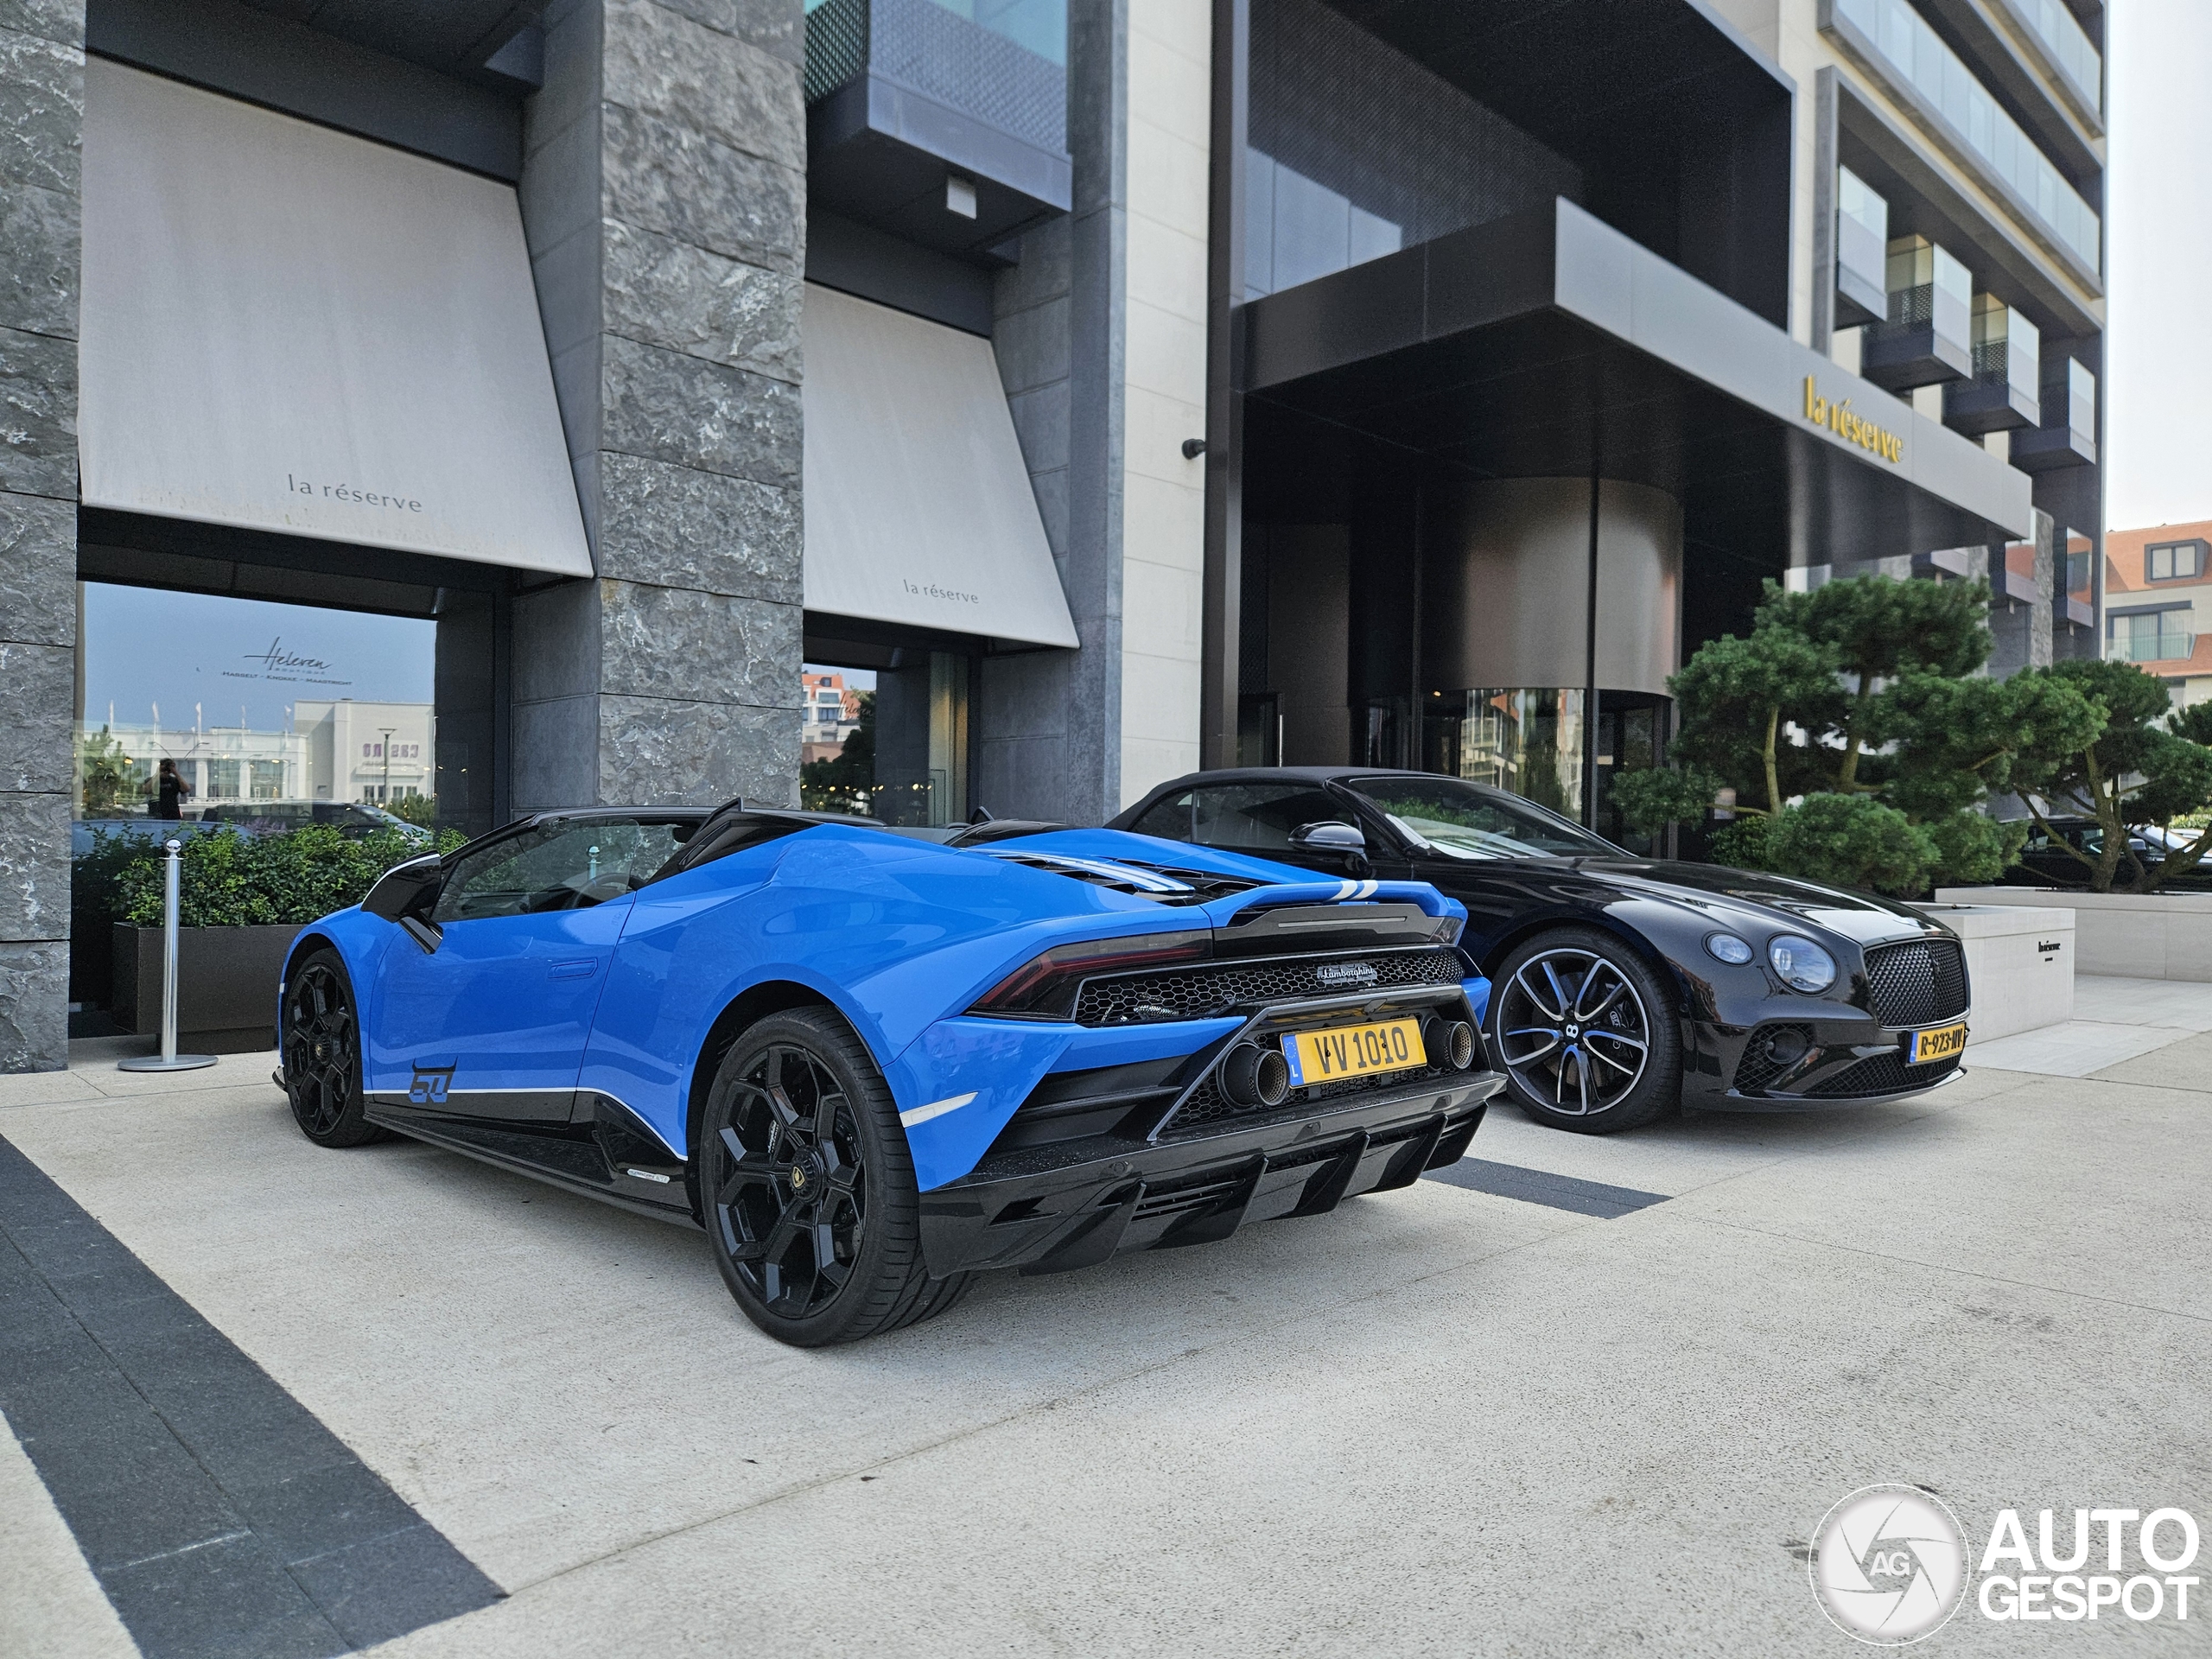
241, 901
95, 903
1852, 840
1741, 843
229, 879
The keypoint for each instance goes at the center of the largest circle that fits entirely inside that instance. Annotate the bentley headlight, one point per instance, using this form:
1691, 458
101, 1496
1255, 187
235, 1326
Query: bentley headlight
1726, 947
1802, 964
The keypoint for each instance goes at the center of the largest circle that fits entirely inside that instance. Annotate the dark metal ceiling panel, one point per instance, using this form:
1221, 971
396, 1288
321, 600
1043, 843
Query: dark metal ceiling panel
1567, 71
452, 36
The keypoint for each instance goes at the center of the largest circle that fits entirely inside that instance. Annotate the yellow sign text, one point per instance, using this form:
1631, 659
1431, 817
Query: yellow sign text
1839, 419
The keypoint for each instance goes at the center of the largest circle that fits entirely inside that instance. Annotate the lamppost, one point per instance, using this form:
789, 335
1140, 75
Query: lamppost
385, 798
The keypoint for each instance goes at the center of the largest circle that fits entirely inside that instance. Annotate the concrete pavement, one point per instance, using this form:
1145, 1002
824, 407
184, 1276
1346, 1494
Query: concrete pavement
1435, 1421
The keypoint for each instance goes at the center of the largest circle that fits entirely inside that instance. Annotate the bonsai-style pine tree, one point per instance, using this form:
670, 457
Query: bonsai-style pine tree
1857, 736
2142, 764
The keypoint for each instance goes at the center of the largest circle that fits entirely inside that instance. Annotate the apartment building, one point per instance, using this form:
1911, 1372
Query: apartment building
2158, 604
1948, 194
831, 712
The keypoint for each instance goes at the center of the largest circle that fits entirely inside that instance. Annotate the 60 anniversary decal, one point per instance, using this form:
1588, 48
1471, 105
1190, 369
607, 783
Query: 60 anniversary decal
1891, 1565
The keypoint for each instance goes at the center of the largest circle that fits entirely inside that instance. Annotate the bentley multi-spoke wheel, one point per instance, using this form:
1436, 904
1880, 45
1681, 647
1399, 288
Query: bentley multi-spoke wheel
1585, 1032
323, 1053
808, 1188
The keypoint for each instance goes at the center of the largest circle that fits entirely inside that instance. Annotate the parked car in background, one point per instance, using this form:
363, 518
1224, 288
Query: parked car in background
2044, 860
873, 1062
348, 817
84, 833
1619, 986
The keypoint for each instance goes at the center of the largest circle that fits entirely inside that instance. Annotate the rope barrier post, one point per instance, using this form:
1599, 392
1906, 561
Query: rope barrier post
168, 1059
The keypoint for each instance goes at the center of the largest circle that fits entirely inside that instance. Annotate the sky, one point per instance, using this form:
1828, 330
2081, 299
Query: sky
144, 646
2159, 245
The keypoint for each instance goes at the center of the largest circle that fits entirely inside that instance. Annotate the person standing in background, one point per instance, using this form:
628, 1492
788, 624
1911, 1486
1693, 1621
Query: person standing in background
174, 792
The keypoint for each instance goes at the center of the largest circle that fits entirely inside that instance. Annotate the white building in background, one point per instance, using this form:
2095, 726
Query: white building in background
380, 752
223, 764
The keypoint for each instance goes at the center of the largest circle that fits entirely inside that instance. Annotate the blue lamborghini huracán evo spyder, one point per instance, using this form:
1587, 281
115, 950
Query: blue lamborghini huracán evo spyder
873, 1062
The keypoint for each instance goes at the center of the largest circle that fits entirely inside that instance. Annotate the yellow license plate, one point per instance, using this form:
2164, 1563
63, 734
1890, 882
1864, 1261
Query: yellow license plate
1352, 1051
1940, 1044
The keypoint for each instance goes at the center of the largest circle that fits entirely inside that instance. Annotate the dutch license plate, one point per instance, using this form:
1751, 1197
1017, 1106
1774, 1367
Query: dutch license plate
1940, 1044
1352, 1051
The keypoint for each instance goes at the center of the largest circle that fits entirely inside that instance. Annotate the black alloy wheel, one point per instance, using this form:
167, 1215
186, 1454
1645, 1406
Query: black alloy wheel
1585, 1033
808, 1189
323, 1053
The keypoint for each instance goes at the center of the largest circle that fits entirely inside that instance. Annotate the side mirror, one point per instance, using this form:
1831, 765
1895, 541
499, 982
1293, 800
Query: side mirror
1329, 837
404, 894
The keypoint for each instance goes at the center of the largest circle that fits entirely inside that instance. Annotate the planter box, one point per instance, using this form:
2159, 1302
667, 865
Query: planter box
226, 984
2136, 935
2020, 959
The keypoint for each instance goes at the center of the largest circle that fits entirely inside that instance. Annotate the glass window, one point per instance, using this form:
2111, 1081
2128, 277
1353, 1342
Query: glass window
1463, 820
1527, 741
568, 864
1356, 151
2159, 637
1259, 817
1169, 820
190, 703
2176, 561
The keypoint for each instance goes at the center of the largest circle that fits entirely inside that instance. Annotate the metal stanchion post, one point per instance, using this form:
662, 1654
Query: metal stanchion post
168, 1059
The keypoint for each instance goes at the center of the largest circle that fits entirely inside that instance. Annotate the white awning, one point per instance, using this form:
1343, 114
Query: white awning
918, 509
286, 328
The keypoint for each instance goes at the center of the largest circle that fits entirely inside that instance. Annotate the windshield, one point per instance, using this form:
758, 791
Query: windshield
1462, 820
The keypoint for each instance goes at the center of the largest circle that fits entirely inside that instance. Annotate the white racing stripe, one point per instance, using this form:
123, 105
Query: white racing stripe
935, 1108
1357, 889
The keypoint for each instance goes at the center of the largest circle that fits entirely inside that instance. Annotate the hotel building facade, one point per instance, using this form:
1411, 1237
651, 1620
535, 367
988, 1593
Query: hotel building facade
1130, 386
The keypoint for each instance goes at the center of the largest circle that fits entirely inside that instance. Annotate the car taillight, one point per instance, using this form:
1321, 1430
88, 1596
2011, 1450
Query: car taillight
1044, 985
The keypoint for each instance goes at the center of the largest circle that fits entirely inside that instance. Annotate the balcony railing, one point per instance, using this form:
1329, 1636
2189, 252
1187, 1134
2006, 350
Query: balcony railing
1895, 43
1862, 240
1927, 337
2065, 48
2167, 645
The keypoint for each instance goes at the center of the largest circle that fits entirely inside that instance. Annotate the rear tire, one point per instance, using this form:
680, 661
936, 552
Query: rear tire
323, 1053
808, 1188
1587, 1033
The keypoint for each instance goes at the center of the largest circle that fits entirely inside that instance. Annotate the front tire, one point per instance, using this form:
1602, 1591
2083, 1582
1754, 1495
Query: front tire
323, 1053
1585, 1032
807, 1187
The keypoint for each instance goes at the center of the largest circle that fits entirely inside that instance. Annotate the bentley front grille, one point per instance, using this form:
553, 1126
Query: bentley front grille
1917, 983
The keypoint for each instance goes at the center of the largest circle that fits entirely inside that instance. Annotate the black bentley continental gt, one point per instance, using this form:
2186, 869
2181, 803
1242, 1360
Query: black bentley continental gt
1620, 986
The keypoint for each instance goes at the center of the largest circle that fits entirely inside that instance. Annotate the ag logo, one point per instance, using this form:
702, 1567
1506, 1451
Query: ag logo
431, 1084
1889, 1565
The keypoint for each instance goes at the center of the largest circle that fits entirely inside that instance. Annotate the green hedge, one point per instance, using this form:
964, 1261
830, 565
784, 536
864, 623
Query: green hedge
230, 880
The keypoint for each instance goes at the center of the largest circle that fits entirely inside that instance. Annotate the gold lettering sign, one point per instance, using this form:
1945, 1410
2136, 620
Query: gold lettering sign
1852, 429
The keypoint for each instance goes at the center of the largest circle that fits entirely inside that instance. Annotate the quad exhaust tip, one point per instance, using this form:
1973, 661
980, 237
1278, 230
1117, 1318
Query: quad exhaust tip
1451, 1044
1252, 1076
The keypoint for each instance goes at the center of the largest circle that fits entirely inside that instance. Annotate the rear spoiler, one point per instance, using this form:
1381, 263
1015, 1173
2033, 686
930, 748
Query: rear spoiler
1297, 916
